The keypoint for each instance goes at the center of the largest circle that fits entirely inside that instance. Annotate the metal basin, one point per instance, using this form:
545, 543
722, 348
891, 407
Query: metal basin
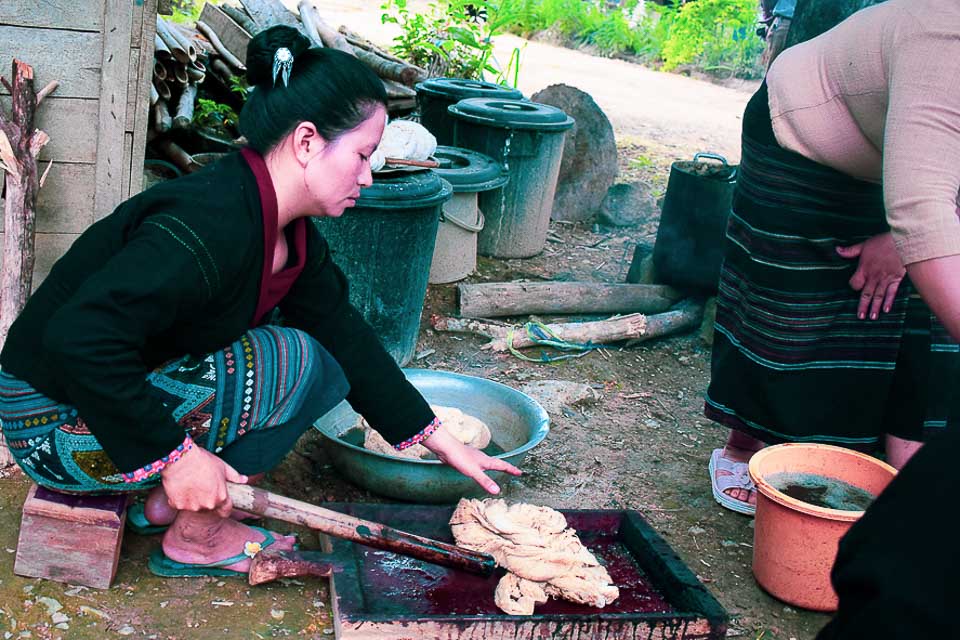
517, 424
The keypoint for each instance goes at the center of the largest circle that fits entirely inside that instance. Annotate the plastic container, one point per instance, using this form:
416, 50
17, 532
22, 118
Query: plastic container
455, 256
435, 95
384, 246
693, 223
527, 139
794, 542
517, 424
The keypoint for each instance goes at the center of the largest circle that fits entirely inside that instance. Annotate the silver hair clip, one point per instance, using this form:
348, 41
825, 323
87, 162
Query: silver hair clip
282, 65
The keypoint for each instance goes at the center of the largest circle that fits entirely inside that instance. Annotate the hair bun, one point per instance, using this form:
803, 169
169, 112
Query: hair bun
264, 46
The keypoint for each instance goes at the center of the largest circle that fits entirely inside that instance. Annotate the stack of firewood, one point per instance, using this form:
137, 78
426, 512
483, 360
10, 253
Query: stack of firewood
233, 27
184, 57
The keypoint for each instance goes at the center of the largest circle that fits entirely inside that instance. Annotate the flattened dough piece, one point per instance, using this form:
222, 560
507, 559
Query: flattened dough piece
467, 429
537, 548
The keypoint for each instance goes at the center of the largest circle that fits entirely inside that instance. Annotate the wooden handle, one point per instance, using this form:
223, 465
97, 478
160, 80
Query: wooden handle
372, 534
401, 162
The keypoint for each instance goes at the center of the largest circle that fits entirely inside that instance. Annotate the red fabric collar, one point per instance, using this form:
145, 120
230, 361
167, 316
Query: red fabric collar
274, 287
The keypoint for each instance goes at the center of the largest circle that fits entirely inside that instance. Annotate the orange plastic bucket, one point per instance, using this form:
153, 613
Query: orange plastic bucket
794, 542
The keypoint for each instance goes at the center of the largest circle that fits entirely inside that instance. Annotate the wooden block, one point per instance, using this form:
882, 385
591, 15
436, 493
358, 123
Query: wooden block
231, 34
70, 538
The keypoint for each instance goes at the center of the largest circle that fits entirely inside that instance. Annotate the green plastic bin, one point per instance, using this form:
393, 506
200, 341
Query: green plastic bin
384, 246
527, 139
435, 95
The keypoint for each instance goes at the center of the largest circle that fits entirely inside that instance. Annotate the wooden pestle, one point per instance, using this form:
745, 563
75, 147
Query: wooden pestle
371, 534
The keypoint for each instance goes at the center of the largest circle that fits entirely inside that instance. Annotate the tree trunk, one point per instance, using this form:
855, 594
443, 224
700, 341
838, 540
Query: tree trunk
489, 300
813, 17
20, 143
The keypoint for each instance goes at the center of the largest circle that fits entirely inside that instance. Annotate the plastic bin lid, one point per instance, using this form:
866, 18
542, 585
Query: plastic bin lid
511, 114
414, 190
469, 171
459, 88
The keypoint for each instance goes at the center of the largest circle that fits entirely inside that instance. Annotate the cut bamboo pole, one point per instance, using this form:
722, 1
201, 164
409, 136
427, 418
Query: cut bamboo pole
214, 39
184, 116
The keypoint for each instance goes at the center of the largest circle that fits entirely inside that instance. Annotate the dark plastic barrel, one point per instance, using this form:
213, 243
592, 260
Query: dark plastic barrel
527, 139
689, 249
435, 95
384, 246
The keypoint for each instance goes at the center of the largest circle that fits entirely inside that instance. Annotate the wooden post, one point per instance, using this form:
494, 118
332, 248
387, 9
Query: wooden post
20, 143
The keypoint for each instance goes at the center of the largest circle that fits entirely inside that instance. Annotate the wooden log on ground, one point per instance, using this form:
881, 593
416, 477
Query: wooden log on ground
329, 37
20, 144
490, 300
221, 50
310, 27
634, 328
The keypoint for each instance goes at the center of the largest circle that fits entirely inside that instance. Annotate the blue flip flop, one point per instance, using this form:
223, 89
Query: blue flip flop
160, 565
138, 523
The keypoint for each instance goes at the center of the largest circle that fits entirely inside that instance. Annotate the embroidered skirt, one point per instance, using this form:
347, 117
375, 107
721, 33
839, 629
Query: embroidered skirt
792, 362
248, 403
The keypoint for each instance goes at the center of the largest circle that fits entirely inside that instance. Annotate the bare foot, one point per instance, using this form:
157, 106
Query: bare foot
205, 537
159, 512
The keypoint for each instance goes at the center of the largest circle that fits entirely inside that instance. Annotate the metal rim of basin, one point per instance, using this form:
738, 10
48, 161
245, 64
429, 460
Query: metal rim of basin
538, 432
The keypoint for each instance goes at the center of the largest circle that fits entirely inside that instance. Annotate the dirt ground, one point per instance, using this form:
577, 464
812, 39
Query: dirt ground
644, 445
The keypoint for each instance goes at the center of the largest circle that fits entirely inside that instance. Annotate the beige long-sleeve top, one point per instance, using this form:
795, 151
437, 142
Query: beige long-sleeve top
878, 98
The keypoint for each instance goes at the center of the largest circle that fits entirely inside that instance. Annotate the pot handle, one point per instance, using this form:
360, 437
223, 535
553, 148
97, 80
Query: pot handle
463, 225
716, 156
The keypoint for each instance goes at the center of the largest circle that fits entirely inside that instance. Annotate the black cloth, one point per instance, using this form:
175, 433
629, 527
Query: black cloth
173, 271
791, 360
897, 568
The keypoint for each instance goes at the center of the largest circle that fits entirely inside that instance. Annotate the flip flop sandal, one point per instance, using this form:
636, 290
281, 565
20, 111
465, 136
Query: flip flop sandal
137, 521
160, 565
738, 478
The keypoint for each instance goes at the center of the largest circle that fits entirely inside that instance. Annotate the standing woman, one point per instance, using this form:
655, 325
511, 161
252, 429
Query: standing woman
145, 359
850, 170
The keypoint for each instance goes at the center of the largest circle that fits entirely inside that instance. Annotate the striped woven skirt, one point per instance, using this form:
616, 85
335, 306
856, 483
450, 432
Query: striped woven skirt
248, 403
792, 362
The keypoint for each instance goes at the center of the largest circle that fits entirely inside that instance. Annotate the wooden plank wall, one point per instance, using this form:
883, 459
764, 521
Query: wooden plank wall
101, 51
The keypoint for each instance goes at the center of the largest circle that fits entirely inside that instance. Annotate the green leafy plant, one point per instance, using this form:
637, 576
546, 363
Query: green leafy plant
452, 37
720, 31
215, 115
186, 11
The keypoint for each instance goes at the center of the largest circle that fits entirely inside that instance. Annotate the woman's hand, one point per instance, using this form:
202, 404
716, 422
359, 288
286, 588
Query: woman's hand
467, 460
878, 275
198, 482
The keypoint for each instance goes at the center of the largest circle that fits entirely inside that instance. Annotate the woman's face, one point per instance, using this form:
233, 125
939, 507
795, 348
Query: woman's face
336, 174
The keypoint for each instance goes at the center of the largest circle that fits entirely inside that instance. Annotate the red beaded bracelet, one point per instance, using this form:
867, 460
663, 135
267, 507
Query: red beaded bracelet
152, 469
419, 437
